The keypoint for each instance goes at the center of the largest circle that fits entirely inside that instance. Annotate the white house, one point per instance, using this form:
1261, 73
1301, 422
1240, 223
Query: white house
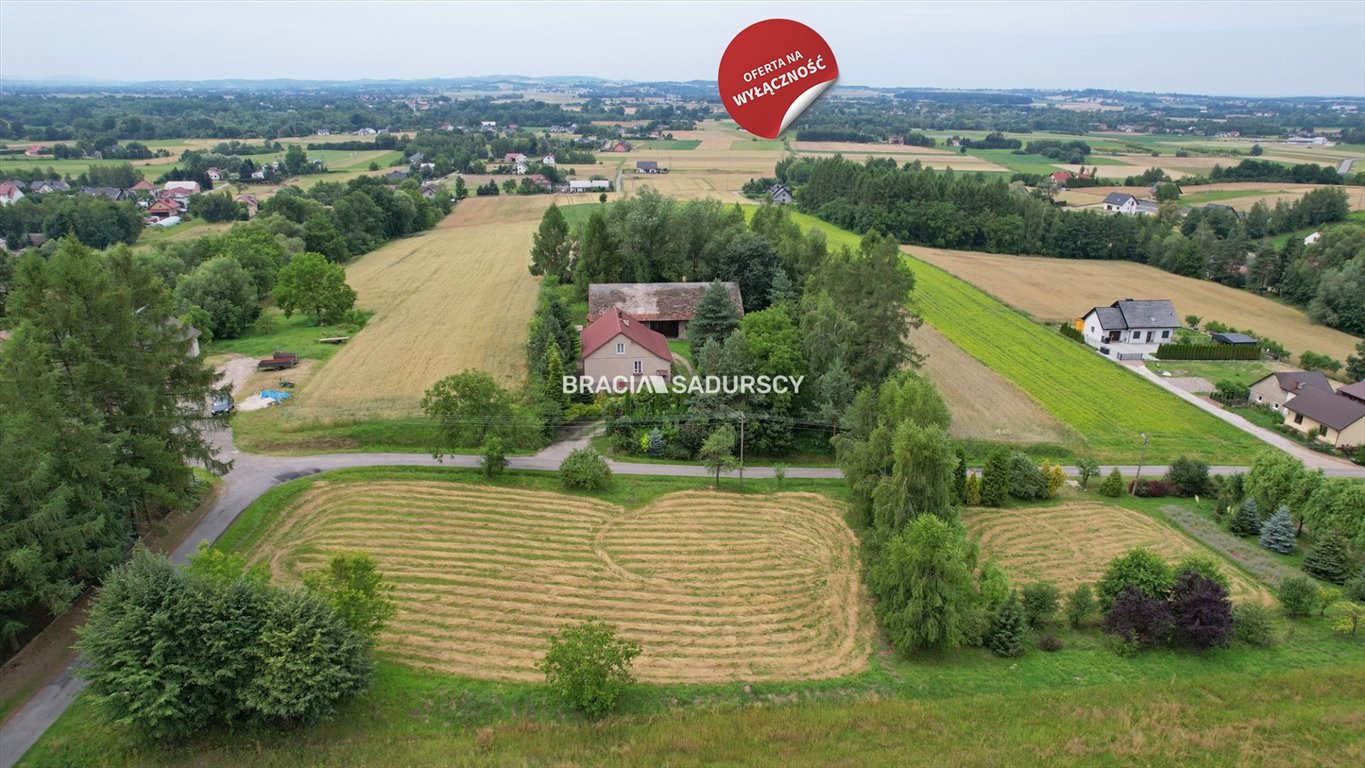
187, 187
10, 193
1131, 326
547, 160
1120, 202
1313, 238
589, 185
488, 124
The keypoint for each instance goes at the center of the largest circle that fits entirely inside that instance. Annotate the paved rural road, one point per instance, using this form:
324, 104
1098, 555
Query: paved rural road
253, 475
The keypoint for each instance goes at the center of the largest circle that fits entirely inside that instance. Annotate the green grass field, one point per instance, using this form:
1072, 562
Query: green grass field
667, 144
1198, 198
1109, 406
745, 145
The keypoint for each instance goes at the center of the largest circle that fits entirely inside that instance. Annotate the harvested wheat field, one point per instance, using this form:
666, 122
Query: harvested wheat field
984, 404
1054, 290
726, 187
715, 587
1071, 544
456, 297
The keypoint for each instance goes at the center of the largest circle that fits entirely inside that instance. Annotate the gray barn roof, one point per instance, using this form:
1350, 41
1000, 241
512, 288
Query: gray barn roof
1234, 338
1117, 198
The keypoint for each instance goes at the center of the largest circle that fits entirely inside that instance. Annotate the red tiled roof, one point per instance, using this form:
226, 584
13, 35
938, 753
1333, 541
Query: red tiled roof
614, 323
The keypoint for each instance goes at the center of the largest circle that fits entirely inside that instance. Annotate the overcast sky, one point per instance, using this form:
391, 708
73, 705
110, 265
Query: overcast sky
1245, 48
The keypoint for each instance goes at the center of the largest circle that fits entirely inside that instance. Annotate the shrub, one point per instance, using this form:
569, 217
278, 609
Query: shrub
1201, 613
1253, 624
1080, 604
1007, 628
1112, 485
972, 496
1313, 361
1140, 569
1087, 468
995, 478
1355, 587
589, 666
1208, 352
1349, 619
1204, 566
1327, 597
1277, 534
993, 585
1056, 477
1328, 559
1151, 489
355, 588
1068, 330
1138, 618
494, 459
655, 444
171, 652
585, 470
1247, 521
1040, 602
1050, 643
1188, 477
1027, 481
1298, 596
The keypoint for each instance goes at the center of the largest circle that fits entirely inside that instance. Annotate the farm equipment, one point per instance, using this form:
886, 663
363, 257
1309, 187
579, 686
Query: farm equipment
278, 362
286, 383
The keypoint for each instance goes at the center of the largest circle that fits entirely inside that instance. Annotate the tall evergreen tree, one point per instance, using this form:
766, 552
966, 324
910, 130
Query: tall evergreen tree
715, 318
101, 416
995, 478
1328, 559
1247, 521
960, 475
1007, 628
1278, 532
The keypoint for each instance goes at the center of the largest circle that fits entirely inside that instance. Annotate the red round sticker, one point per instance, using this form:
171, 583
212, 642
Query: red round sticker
771, 72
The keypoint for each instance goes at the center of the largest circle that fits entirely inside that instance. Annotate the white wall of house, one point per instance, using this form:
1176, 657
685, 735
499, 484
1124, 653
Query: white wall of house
1147, 338
623, 357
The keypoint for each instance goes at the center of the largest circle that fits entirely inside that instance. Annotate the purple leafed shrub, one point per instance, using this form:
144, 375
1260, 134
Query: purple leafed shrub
1135, 617
1200, 611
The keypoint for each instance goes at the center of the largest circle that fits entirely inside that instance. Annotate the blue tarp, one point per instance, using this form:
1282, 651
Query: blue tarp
275, 394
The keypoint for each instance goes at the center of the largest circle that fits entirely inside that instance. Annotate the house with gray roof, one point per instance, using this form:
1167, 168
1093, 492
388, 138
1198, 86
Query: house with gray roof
1277, 389
1335, 419
1131, 326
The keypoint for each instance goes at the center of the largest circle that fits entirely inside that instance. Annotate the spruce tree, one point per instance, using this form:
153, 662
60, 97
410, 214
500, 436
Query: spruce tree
1278, 533
1328, 560
1113, 484
1007, 628
1247, 521
716, 316
995, 478
960, 475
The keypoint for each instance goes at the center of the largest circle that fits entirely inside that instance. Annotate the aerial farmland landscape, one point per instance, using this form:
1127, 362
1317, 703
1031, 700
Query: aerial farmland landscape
360, 406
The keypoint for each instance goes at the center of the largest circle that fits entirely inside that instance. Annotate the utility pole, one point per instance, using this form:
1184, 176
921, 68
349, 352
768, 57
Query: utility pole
741, 446
1141, 456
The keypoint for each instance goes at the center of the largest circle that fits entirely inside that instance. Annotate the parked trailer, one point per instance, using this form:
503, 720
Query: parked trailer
278, 362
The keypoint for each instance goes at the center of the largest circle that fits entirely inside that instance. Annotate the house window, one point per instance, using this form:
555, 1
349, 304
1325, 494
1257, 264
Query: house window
1165, 334
1298, 418
620, 348
639, 366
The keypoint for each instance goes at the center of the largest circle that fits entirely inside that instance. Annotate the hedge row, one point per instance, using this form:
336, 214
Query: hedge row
1209, 352
1068, 330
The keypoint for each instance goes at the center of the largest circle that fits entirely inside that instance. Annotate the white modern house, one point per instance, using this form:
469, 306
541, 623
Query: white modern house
1131, 327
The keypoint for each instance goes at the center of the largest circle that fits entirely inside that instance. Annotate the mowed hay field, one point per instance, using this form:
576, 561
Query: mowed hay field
715, 587
985, 405
1053, 290
456, 297
1071, 544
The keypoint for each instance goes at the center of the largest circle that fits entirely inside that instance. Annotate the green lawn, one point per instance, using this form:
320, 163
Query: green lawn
1242, 372
273, 331
755, 143
1198, 198
1110, 407
1017, 163
667, 144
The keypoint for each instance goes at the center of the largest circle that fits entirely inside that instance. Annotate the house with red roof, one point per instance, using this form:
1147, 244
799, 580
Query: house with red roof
10, 193
163, 209
1062, 177
616, 344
